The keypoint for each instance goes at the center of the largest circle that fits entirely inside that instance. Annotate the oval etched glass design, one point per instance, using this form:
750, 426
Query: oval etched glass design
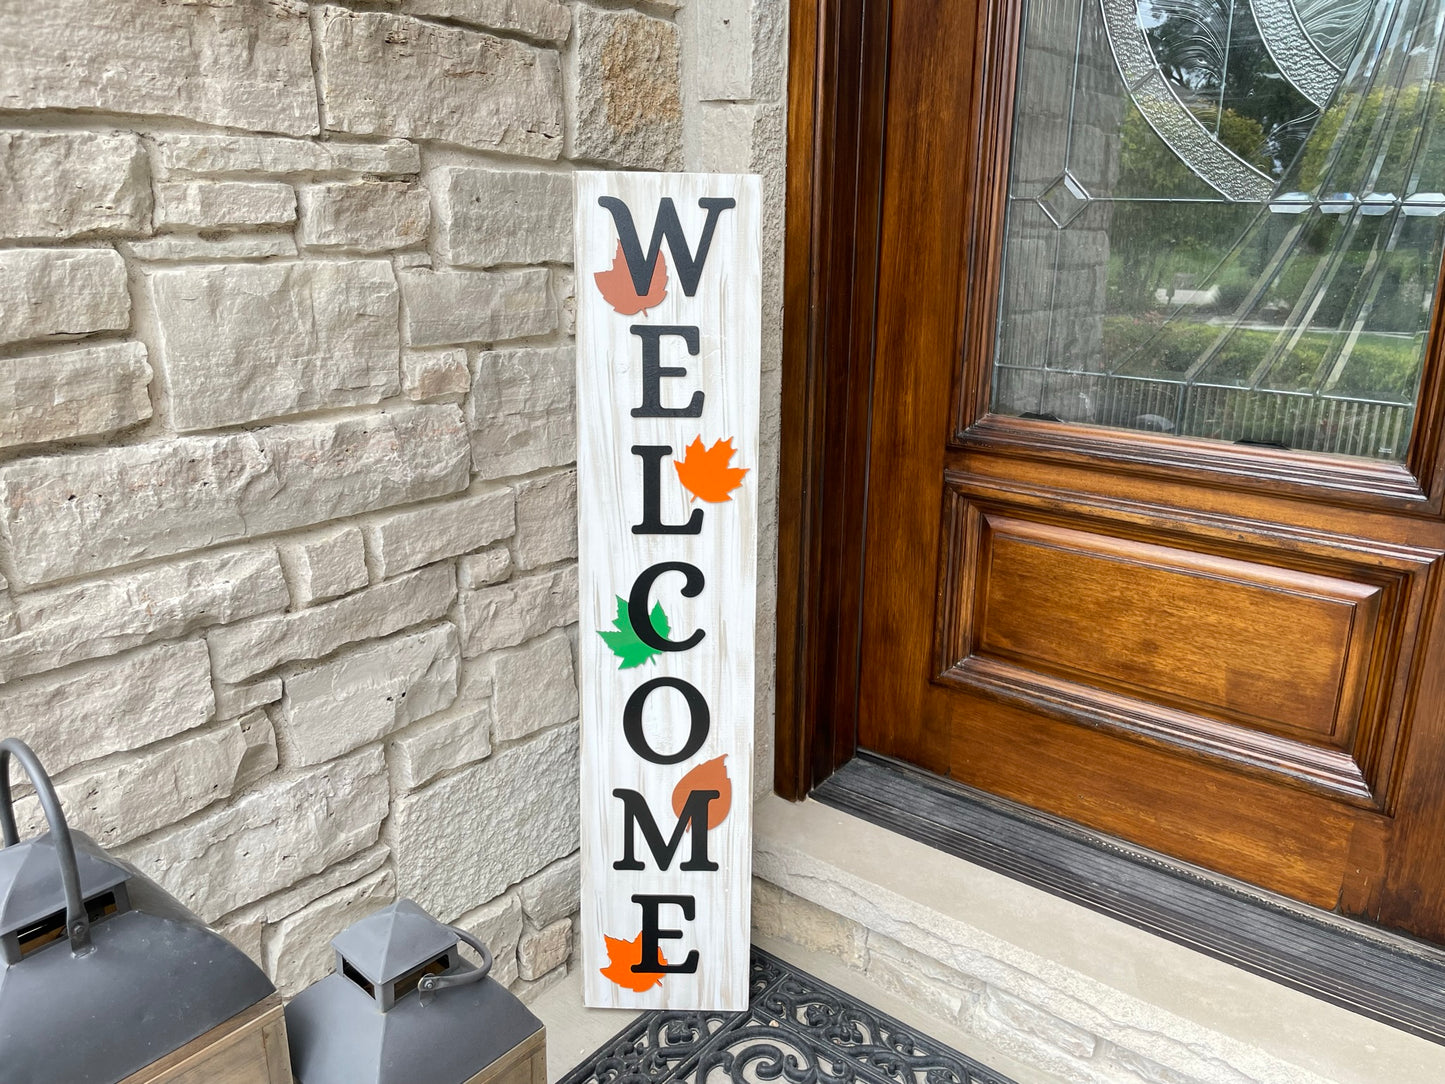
1225, 218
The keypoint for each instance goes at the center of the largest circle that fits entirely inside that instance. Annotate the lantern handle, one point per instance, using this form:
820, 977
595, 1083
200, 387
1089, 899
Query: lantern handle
77, 919
431, 985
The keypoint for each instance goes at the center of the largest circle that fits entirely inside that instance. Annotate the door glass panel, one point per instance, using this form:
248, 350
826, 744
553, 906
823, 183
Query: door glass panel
1225, 218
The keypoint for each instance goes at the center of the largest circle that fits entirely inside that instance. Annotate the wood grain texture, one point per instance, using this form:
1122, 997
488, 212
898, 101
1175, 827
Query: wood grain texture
525, 1063
726, 310
1217, 652
837, 83
250, 1048
1327, 787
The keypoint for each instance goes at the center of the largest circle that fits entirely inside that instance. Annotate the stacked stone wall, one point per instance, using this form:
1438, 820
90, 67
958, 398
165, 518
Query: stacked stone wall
287, 495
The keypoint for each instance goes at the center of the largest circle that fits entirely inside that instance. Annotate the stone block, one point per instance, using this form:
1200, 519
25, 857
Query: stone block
546, 20
69, 184
253, 647
247, 924
447, 741
719, 36
390, 75
520, 609
234, 700
268, 839
73, 393
626, 94
470, 835
481, 569
245, 342
8, 624
116, 799
498, 925
534, 687
322, 566
211, 205
770, 51
554, 893
495, 216
539, 951
546, 520
117, 505
1006, 1013
261, 757
447, 307
174, 248
528, 992
777, 913
938, 990
372, 216
432, 374
408, 539
96, 708
523, 411
61, 291
74, 622
297, 950
564, 289
368, 692
236, 64
174, 154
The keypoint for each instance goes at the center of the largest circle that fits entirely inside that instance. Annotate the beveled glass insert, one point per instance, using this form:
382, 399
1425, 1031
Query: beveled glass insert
1225, 218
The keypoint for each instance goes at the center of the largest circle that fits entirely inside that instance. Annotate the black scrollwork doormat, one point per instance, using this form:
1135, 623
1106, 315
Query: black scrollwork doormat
797, 1030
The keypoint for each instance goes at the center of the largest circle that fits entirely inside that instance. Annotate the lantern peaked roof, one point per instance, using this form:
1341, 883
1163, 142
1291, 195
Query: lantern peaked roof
338, 1033
395, 940
30, 886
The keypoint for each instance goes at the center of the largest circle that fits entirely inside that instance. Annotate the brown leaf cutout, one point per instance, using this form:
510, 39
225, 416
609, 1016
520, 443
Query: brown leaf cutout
622, 956
709, 775
615, 285
704, 472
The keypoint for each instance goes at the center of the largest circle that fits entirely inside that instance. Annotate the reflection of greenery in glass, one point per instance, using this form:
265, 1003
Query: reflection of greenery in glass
1150, 244
1212, 54
1163, 306
1384, 367
1410, 111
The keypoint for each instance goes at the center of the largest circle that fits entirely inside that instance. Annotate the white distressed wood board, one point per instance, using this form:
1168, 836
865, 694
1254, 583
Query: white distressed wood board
710, 586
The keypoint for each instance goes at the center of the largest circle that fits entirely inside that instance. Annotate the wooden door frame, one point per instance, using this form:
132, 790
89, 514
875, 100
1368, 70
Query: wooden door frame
835, 131
836, 97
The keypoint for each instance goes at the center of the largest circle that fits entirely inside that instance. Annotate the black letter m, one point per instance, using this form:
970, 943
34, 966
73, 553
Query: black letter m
637, 815
640, 264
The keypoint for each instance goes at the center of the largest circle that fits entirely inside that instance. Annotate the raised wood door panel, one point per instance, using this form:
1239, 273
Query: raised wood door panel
1284, 655
1228, 654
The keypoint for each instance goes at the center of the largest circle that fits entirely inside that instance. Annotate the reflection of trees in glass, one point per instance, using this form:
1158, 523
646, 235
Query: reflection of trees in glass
1211, 52
1155, 241
1302, 323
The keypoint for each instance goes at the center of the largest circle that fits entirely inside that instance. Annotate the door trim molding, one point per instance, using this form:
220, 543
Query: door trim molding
837, 78
1384, 976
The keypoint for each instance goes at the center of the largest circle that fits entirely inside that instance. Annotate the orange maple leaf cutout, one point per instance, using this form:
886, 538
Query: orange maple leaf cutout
615, 285
709, 775
622, 956
704, 472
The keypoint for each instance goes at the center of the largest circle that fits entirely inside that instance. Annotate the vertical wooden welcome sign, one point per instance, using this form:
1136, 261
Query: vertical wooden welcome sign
668, 347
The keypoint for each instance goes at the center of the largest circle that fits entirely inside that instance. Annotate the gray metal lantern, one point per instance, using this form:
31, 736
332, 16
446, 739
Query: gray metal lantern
403, 1006
104, 973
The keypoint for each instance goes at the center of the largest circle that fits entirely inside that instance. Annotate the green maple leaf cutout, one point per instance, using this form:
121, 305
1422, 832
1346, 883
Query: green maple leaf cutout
624, 642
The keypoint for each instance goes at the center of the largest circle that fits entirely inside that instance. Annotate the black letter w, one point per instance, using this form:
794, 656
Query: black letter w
640, 264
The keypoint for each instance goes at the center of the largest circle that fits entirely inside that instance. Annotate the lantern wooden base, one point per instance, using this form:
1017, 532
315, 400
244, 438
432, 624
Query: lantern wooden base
249, 1048
525, 1063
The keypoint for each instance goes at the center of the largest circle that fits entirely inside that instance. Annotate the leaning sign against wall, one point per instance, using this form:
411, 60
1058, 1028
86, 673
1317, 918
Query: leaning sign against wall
668, 342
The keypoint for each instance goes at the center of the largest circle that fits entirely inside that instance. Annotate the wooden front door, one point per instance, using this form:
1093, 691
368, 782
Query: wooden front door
1154, 524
